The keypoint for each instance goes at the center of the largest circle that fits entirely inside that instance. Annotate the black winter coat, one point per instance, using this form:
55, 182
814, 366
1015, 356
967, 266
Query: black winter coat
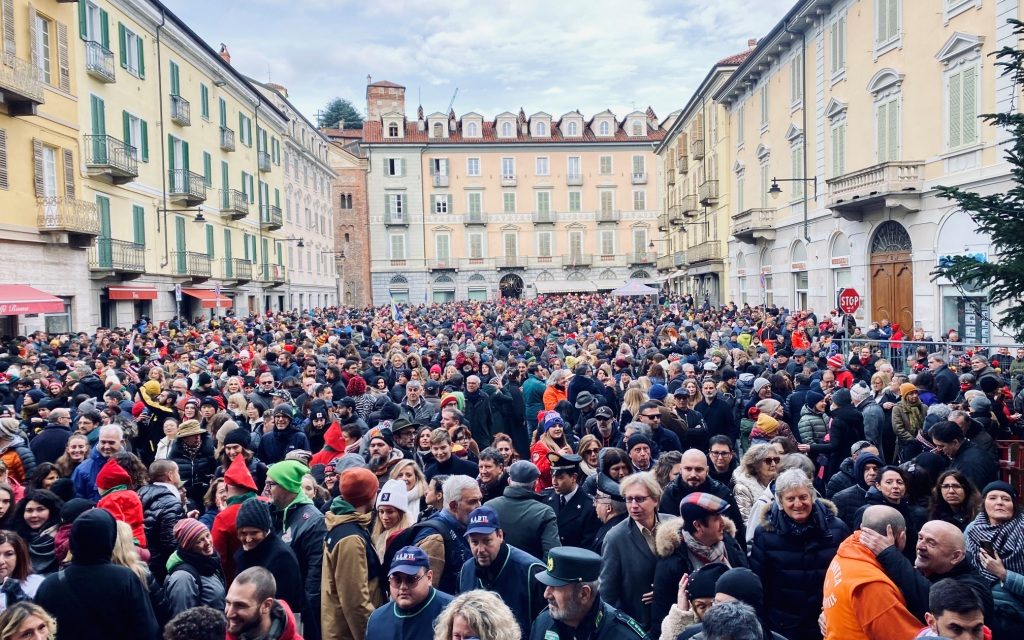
843, 479
98, 602
975, 463
845, 429
276, 444
278, 558
257, 470
913, 515
848, 503
196, 471
791, 561
162, 509
947, 385
478, 415
50, 443
677, 490
719, 419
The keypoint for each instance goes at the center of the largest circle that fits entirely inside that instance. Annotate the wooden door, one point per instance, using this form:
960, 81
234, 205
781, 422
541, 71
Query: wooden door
892, 289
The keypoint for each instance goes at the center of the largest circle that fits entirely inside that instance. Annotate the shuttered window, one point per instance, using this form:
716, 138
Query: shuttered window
887, 130
476, 245
63, 58
209, 241
511, 242
740, 185
838, 149
887, 20
837, 46
575, 201
962, 107
443, 243
796, 157
544, 244
509, 202
69, 173
398, 247
138, 224
204, 101
607, 242
4, 176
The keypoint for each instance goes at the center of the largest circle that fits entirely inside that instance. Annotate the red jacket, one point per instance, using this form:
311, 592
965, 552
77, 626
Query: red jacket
334, 446
112, 482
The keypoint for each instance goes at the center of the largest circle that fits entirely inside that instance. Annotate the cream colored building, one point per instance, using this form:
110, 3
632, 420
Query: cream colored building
511, 205
697, 154
870, 105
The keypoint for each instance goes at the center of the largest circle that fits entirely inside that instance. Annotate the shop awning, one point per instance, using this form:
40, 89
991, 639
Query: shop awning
19, 299
608, 285
208, 298
565, 286
131, 293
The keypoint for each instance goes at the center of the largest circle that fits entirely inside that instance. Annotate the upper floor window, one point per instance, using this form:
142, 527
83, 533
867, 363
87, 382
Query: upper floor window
638, 128
473, 166
472, 130
393, 130
837, 46
605, 165
542, 129
572, 129
506, 129
604, 128
438, 129
764, 106
887, 21
962, 106
41, 47
542, 166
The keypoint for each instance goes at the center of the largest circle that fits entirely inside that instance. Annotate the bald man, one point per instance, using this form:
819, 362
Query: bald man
693, 477
940, 554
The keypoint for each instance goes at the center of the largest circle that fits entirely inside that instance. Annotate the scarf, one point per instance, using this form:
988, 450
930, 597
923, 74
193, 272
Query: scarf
915, 415
191, 451
1007, 538
704, 553
204, 565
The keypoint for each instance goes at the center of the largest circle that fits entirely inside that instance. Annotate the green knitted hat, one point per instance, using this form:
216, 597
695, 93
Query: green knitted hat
288, 474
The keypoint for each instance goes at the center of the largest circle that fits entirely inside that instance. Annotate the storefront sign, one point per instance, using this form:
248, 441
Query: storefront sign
841, 261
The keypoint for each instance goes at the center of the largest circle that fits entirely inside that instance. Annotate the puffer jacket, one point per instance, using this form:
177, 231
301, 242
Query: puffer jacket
674, 561
196, 471
19, 459
812, 426
746, 489
276, 444
162, 509
843, 479
791, 560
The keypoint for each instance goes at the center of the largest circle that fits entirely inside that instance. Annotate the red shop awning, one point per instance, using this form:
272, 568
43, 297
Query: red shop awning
131, 293
19, 299
208, 298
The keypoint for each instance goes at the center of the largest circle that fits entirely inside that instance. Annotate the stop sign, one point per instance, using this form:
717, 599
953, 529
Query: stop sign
849, 300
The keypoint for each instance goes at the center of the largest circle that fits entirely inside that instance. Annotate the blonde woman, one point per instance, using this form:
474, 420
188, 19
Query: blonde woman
393, 515
126, 555
480, 614
27, 620
415, 483
631, 401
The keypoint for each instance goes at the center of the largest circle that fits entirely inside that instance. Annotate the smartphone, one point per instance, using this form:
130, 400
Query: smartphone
988, 547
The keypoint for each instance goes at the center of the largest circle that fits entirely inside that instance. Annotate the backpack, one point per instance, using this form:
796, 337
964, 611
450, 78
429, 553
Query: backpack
406, 538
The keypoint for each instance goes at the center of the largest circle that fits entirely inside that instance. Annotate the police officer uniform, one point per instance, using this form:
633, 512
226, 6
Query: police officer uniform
572, 565
577, 521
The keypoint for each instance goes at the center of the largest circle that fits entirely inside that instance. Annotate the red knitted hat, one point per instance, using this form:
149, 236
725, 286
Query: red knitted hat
238, 474
836, 361
111, 475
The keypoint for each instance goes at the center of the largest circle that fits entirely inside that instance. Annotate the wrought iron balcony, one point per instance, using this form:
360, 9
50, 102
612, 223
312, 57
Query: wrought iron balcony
263, 160
191, 263
890, 185
235, 204
227, 139
641, 257
440, 180
61, 215
705, 251
396, 219
474, 218
111, 256
21, 85
574, 180
609, 215
754, 224
543, 217
639, 178
186, 188
697, 149
99, 61
275, 273
112, 159
238, 269
508, 181
707, 193
578, 260
181, 110
270, 217
443, 264
510, 262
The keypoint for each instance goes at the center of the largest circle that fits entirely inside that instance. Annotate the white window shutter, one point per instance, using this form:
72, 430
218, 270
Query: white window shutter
969, 105
894, 130
953, 98
881, 129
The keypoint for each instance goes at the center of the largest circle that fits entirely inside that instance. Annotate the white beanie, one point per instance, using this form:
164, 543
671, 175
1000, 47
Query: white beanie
394, 494
860, 392
760, 383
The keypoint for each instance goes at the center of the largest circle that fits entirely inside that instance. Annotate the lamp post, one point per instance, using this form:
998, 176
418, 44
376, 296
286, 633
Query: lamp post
775, 191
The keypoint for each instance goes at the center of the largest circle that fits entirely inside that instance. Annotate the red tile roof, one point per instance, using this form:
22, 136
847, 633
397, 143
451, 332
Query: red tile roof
331, 132
373, 133
385, 83
734, 60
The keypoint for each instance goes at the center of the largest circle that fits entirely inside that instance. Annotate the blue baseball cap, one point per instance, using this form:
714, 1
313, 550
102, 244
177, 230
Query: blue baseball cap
409, 560
483, 520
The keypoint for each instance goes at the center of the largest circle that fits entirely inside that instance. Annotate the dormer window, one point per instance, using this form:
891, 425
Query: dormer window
393, 130
542, 129
604, 129
638, 128
438, 129
471, 130
572, 129
506, 129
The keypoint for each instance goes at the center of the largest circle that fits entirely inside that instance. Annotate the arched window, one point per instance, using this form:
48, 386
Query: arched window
638, 128
542, 129
438, 129
604, 129
572, 129
471, 130
393, 130
506, 129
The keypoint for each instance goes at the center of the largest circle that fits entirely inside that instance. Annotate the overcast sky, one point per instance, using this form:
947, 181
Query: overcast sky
541, 55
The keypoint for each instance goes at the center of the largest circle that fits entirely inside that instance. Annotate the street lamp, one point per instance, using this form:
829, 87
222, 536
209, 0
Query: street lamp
775, 190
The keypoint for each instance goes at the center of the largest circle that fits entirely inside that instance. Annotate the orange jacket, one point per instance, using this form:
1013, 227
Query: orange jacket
552, 396
860, 602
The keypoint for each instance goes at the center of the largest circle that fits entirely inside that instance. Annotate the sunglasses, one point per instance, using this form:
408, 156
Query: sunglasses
773, 460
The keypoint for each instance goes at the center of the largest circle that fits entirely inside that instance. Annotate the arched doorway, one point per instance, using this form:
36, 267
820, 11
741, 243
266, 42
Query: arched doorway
892, 276
511, 286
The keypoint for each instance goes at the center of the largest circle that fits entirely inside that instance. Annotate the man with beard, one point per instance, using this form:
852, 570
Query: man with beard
501, 568
605, 429
575, 608
252, 610
717, 412
381, 455
284, 438
404, 433
694, 478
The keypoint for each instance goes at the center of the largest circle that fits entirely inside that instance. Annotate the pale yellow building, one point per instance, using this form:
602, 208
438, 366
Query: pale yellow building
511, 205
869, 106
696, 154
46, 222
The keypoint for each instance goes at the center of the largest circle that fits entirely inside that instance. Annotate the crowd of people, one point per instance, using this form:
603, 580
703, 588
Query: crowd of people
561, 467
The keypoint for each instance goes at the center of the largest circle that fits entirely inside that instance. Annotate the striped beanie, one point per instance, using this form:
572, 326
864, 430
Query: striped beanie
187, 531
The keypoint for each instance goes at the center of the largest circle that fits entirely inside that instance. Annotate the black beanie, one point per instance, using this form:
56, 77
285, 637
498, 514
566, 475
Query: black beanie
742, 584
704, 580
238, 435
254, 513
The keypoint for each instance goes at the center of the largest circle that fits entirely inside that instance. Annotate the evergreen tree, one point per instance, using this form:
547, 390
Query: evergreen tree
999, 216
340, 110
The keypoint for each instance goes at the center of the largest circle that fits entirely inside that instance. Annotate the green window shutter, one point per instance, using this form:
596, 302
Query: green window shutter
224, 176
252, 188
138, 224
144, 134
83, 22
223, 112
277, 198
880, 127
126, 121
204, 101
894, 133
122, 40
170, 153
104, 29
99, 126
241, 127
227, 245
142, 57
184, 154
954, 98
970, 106
209, 241
175, 79
208, 168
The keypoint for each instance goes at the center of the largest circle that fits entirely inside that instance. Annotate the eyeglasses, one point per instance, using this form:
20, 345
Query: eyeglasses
950, 486
651, 416
773, 460
401, 579
720, 454
590, 451
637, 499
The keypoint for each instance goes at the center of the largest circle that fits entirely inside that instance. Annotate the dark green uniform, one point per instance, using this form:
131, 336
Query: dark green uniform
604, 622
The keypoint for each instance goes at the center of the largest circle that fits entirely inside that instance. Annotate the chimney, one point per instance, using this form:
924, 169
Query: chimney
751, 43
224, 54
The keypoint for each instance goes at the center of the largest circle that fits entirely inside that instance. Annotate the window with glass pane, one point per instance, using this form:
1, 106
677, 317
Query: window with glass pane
573, 170
509, 202
639, 200
638, 165
575, 201
508, 167
542, 166
473, 166
800, 289
605, 165
544, 243
543, 202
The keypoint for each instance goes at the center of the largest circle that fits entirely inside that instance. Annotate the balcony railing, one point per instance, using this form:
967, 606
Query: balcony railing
68, 215
443, 264
675, 214
896, 184
682, 164
609, 260
270, 217
753, 225
641, 257
276, 273
186, 187
108, 157
475, 264
639, 178
227, 139
191, 263
238, 269
679, 259
508, 181
118, 256
578, 260
574, 180
707, 192
705, 251
697, 149
396, 219
609, 215
475, 217
663, 223
664, 263
263, 160
235, 204
688, 205
670, 177
544, 217
99, 61
181, 110
546, 261
21, 85
440, 180
510, 262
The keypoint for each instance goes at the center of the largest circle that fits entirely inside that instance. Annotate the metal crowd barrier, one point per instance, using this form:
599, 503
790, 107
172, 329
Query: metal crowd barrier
904, 354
